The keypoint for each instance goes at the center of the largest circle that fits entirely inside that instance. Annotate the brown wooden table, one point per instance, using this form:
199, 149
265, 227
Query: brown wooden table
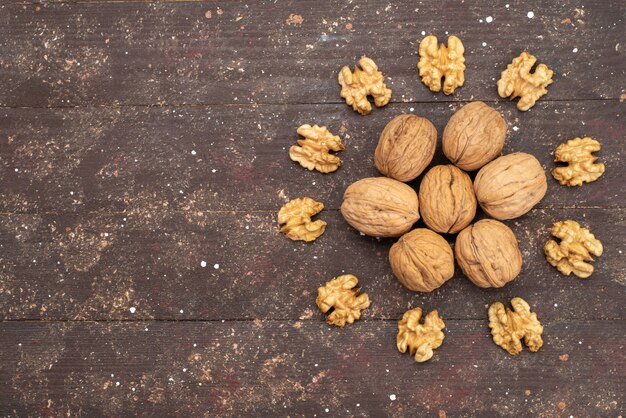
143, 158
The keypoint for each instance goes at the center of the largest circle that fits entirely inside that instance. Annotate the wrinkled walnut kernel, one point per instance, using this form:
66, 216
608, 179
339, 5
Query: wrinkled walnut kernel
340, 295
296, 217
438, 61
508, 327
420, 339
581, 166
576, 247
517, 81
367, 80
313, 152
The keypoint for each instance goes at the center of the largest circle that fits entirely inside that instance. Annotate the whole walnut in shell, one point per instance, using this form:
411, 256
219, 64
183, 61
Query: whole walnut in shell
447, 201
406, 146
380, 207
422, 260
510, 186
488, 253
474, 136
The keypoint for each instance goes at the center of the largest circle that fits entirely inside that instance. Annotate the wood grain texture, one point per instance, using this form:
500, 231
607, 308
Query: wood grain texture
152, 261
116, 160
303, 368
68, 54
143, 159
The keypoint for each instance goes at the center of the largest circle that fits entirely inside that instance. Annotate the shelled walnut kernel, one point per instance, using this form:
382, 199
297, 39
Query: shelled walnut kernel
364, 81
441, 61
295, 218
340, 295
517, 81
420, 339
509, 327
581, 166
574, 251
313, 152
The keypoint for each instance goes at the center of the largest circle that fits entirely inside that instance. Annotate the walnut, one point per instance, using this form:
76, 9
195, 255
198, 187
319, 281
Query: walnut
313, 152
340, 295
422, 260
510, 185
439, 61
576, 247
447, 200
406, 146
296, 217
517, 81
474, 136
367, 80
488, 253
380, 207
581, 166
420, 339
508, 327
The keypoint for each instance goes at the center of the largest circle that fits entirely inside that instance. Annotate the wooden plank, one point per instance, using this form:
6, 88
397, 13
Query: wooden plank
149, 264
68, 54
114, 160
304, 369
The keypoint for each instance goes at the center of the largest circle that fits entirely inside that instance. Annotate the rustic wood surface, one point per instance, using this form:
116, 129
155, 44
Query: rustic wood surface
143, 158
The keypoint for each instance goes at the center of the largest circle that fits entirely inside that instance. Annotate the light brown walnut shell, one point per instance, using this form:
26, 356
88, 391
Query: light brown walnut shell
488, 253
406, 147
447, 200
380, 207
510, 186
422, 260
474, 136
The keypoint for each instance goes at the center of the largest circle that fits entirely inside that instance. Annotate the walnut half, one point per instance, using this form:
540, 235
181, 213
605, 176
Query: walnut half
439, 61
581, 166
313, 152
340, 295
508, 327
367, 80
295, 218
517, 81
575, 250
420, 339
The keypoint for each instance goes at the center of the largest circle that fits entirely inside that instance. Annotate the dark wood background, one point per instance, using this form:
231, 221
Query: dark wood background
138, 140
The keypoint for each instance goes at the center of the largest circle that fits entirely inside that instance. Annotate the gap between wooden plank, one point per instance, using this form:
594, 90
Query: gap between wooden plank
333, 103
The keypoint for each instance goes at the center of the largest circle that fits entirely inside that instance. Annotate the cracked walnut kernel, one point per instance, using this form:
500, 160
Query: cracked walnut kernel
366, 80
517, 81
313, 152
581, 166
420, 339
574, 251
340, 295
509, 327
439, 61
295, 218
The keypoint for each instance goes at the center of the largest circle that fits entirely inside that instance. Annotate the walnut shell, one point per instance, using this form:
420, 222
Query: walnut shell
406, 147
380, 207
488, 253
447, 201
510, 186
422, 260
474, 136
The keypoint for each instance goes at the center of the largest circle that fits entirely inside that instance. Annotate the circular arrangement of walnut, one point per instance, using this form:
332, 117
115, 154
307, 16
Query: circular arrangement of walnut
505, 187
